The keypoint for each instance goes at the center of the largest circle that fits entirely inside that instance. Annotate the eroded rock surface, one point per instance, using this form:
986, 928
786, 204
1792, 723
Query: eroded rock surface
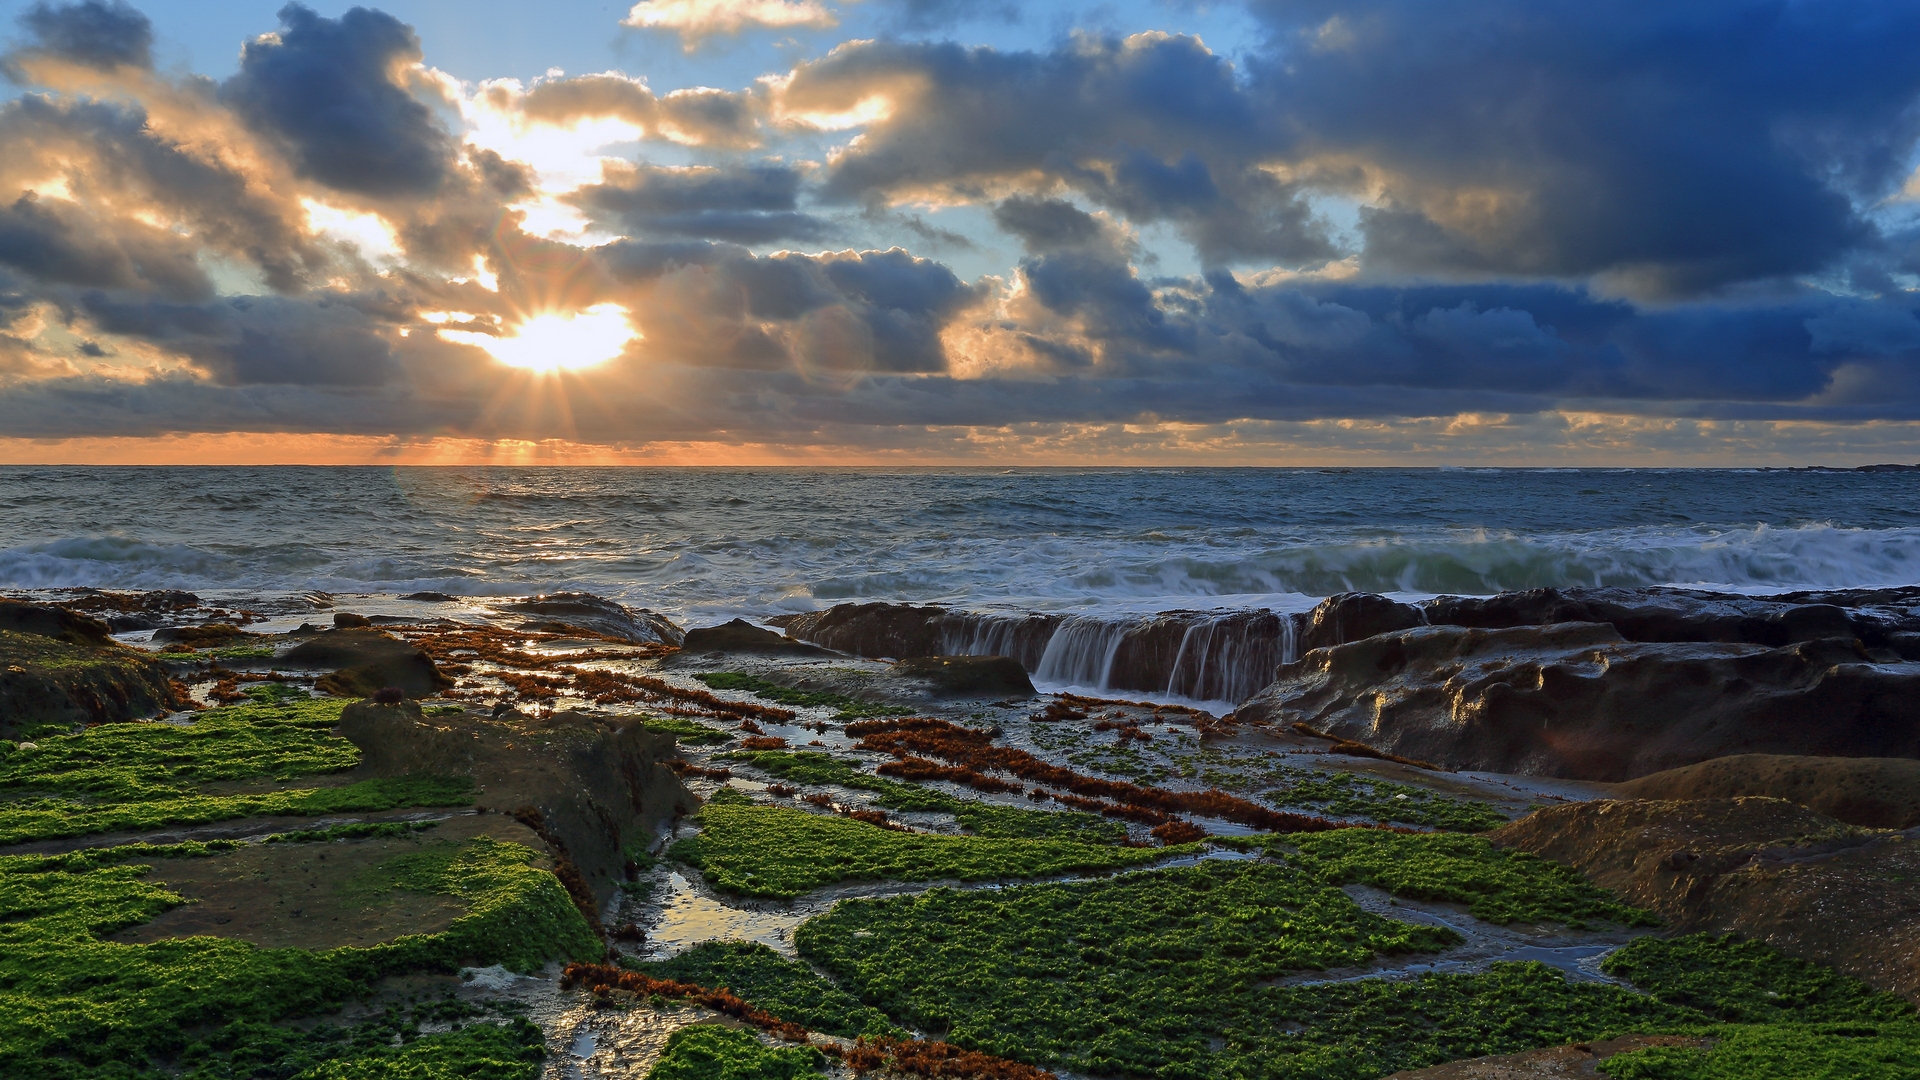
1802, 882
1880, 793
1578, 701
564, 612
595, 785
365, 660
62, 667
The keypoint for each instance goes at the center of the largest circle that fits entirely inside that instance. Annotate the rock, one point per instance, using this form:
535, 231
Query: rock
1880, 793
1576, 700
588, 612
594, 786
1767, 869
1691, 615
347, 620
63, 668
741, 636
364, 661
429, 597
210, 636
1208, 655
1347, 617
968, 676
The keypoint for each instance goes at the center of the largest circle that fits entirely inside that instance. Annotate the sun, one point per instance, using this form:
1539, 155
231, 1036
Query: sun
557, 341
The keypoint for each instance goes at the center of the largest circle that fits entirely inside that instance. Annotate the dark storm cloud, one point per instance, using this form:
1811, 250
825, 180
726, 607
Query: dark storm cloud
334, 91
100, 35
749, 204
61, 244
113, 150
254, 340
1682, 147
1155, 126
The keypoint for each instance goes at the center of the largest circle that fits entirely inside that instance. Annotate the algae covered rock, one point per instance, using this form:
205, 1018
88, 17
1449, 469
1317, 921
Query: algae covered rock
1880, 793
589, 786
60, 667
365, 661
968, 676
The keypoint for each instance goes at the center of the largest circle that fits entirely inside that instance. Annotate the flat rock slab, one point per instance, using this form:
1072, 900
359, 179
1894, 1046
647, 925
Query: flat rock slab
302, 896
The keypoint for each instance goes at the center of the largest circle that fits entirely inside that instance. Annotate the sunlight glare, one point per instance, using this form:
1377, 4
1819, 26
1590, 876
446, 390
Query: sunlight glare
556, 341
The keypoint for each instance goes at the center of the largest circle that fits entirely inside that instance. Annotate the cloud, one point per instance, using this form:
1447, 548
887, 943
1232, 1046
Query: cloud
746, 204
336, 93
697, 20
699, 116
91, 33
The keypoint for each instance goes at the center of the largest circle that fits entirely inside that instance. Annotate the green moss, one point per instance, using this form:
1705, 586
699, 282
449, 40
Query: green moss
119, 777
983, 819
358, 831
1781, 1052
851, 708
1750, 982
1352, 795
1169, 974
786, 988
68, 996
1497, 885
776, 852
711, 1052
241, 652
42, 819
686, 730
386, 1046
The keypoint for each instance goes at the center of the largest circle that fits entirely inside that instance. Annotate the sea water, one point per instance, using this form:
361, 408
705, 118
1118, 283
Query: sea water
702, 545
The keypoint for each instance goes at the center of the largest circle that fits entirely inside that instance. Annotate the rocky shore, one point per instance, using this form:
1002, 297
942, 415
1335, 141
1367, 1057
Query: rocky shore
1534, 820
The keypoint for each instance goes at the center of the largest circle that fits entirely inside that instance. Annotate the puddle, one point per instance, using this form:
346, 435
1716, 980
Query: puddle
1576, 953
688, 916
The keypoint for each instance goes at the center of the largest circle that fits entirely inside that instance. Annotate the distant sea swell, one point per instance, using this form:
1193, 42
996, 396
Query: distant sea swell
705, 544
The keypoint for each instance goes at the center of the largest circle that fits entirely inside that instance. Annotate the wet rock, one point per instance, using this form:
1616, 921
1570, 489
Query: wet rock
1767, 869
1209, 655
593, 785
741, 636
1347, 617
209, 636
588, 612
1577, 700
64, 668
429, 597
967, 676
364, 661
347, 620
1694, 615
1880, 793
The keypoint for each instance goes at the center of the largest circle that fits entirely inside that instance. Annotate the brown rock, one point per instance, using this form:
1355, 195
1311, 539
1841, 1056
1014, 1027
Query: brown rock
1766, 869
1347, 617
364, 661
1575, 700
600, 615
968, 676
741, 636
1880, 793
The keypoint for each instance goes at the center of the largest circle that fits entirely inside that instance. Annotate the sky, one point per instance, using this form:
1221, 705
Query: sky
1286, 232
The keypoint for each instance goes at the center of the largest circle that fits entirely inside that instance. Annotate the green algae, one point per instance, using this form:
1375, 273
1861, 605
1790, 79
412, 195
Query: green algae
1749, 982
1497, 885
982, 819
127, 777
712, 1052
776, 852
687, 731
72, 1000
850, 708
1781, 1052
387, 1047
786, 988
1383, 801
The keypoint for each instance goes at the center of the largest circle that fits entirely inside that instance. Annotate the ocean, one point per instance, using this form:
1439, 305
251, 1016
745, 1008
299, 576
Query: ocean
703, 545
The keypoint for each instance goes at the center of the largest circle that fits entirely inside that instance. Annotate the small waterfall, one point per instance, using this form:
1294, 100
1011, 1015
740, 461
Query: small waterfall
1202, 655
